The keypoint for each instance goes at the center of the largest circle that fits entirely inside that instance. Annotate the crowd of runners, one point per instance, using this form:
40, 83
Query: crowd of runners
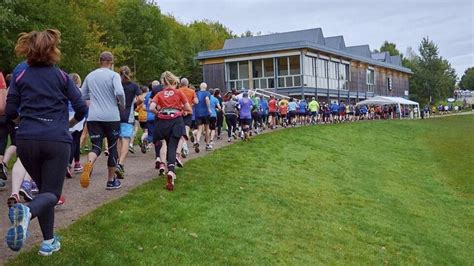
49, 115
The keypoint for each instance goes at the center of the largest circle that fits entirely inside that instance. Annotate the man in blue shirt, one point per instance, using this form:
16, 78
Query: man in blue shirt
203, 112
214, 104
334, 111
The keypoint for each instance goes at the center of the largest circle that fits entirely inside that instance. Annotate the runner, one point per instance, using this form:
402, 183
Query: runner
313, 107
272, 108
220, 114
292, 112
245, 113
127, 119
303, 107
283, 105
215, 106
342, 111
3, 129
334, 112
203, 112
187, 118
43, 140
168, 106
142, 118
230, 111
103, 91
76, 132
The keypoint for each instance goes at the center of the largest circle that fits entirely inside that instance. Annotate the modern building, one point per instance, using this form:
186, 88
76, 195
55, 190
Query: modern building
305, 63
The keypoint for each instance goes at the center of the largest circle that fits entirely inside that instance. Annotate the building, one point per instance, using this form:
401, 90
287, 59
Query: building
305, 63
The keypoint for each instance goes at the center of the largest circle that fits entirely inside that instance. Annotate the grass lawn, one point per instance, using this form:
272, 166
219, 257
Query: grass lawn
398, 192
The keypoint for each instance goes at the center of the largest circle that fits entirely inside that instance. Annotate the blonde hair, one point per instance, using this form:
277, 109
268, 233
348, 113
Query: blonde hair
76, 78
169, 79
125, 73
39, 47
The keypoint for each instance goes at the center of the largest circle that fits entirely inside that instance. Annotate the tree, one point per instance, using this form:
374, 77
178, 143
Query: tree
467, 80
390, 47
433, 77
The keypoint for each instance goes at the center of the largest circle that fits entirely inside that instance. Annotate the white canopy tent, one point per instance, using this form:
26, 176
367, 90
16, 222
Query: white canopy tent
385, 100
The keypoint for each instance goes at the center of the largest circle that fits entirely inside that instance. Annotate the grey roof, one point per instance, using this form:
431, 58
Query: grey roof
311, 35
312, 39
336, 42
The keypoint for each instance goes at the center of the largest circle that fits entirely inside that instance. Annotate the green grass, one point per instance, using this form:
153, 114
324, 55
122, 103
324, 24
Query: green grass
398, 192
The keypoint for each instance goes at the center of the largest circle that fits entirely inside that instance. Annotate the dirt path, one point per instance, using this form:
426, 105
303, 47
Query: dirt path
79, 201
140, 168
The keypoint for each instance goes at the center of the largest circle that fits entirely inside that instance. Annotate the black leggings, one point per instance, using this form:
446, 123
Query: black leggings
109, 130
3, 136
46, 162
75, 146
220, 122
171, 131
231, 121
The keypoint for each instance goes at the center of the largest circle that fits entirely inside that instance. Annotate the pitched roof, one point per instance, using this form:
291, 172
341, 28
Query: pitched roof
311, 35
311, 38
336, 42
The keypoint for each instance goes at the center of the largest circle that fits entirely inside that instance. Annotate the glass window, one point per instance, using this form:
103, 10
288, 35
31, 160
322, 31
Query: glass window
268, 67
297, 81
257, 68
263, 83
281, 82
295, 65
232, 85
256, 84
289, 82
308, 66
233, 74
321, 68
246, 84
244, 70
239, 85
282, 66
271, 83
333, 73
370, 76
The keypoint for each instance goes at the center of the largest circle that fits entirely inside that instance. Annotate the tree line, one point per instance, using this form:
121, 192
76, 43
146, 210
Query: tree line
135, 31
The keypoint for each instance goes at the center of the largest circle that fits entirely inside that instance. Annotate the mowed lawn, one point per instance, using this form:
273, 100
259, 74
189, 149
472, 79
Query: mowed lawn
398, 192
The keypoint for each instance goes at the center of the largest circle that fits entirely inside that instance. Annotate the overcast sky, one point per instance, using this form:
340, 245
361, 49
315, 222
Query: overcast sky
449, 23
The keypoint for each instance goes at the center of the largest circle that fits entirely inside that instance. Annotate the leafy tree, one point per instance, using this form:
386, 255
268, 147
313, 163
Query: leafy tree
434, 78
467, 80
390, 47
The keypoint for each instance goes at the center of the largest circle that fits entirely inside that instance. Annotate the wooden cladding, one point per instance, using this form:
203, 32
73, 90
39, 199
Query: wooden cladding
214, 76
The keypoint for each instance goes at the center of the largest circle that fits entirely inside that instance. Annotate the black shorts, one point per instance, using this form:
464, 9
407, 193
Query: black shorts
202, 120
194, 125
188, 120
167, 128
292, 114
212, 123
245, 122
274, 114
142, 125
283, 115
101, 130
335, 113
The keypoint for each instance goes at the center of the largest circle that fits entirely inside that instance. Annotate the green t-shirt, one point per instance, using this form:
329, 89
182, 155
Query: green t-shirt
313, 106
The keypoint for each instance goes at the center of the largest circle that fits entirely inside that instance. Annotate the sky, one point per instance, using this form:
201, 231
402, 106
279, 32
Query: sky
449, 23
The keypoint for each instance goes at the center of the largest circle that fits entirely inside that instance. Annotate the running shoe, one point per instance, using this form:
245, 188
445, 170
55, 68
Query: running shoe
47, 249
25, 191
78, 167
3, 171
208, 147
68, 172
185, 149
157, 163
143, 146
162, 168
196, 147
34, 187
12, 200
131, 149
114, 184
170, 181
20, 216
120, 171
229, 140
86, 174
179, 162
61, 200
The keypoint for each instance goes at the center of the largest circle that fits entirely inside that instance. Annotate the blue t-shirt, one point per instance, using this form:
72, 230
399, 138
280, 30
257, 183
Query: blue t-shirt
201, 106
334, 108
292, 106
150, 116
214, 102
342, 108
245, 108
303, 106
263, 106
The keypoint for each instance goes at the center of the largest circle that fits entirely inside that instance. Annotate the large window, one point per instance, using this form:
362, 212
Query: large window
289, 71
333, 70
343, 76
238, 75
263, 74
370, 80
322, 73
309, 71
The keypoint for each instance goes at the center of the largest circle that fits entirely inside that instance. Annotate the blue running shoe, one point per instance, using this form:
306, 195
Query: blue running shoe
47, 249
20, 216
115, 184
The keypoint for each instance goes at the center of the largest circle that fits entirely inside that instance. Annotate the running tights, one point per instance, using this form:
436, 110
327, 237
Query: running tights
46, 162
171, 145
231, 121
75, 146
